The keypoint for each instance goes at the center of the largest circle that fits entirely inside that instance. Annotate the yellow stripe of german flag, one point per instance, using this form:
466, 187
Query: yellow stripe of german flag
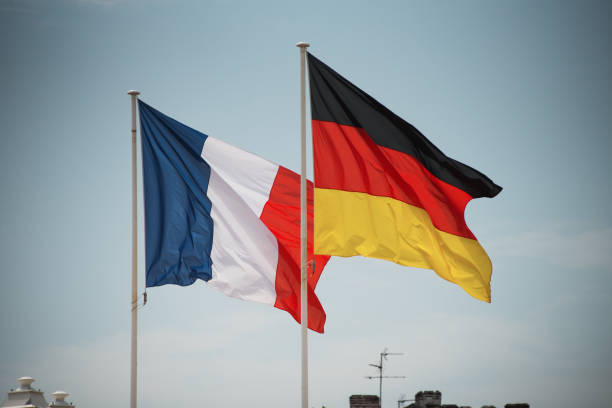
352, 223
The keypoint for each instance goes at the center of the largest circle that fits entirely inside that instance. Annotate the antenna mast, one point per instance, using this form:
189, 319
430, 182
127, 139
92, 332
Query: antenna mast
402, 399
383, 356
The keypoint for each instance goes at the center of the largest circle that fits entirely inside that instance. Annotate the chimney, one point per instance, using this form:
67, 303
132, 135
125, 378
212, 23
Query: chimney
24, 383
424, 399
59, 400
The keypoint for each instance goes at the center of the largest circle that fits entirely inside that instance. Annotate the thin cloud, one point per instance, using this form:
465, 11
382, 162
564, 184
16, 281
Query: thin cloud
559, 246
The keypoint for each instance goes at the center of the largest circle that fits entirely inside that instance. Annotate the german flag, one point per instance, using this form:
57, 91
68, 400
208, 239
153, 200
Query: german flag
382, 190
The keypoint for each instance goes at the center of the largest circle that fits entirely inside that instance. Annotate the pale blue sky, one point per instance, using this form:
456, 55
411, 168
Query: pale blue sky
520, 90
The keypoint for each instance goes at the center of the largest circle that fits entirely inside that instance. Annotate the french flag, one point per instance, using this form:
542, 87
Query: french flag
223, 215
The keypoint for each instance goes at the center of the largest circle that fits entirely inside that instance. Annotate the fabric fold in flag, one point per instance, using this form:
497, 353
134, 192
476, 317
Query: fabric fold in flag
383, 190
225, 216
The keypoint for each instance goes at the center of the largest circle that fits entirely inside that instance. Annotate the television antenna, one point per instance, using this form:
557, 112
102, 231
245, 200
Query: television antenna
383, 357
402, 399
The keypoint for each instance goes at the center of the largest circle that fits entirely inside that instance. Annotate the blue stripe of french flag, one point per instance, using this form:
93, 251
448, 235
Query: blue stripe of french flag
222, 215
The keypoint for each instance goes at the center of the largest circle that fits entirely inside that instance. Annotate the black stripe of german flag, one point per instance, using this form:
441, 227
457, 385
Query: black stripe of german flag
383, 190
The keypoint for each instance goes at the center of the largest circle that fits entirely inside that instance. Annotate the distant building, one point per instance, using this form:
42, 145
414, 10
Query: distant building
27, 397
364, 401
433, 399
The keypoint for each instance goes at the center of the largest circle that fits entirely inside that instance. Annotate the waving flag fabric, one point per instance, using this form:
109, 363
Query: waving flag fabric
383, 190
225, 216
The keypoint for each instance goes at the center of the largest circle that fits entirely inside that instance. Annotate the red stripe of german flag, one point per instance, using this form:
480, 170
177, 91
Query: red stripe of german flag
383, 190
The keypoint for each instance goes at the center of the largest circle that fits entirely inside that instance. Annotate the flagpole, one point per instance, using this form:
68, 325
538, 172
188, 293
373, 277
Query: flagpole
303, 229
134, 350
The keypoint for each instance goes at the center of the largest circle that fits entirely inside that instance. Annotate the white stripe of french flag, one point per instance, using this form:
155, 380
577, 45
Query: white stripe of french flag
255, 213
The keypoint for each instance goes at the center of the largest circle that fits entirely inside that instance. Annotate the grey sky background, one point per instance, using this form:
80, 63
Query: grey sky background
520, 90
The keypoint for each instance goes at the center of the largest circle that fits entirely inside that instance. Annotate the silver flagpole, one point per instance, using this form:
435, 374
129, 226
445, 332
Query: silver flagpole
134, 351
303, 229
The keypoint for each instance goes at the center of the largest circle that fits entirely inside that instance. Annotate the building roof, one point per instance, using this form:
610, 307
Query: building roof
27, 397
364, 401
